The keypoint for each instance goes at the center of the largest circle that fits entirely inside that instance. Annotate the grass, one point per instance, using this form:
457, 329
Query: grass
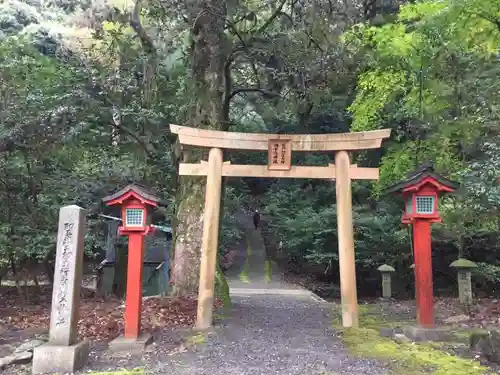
244, 273
196, 339
268, 271
402, 358
369, 318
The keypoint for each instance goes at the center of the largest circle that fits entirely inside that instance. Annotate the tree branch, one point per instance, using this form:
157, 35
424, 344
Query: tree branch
134, 136
271, 19
117, 124
228, 84
232, 27
253, 89
135, 23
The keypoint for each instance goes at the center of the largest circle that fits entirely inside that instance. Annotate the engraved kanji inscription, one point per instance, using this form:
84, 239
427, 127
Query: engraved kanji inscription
64, 270
279, 154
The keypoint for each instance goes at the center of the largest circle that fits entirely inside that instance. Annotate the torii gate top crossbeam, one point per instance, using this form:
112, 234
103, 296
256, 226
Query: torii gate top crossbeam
299, 142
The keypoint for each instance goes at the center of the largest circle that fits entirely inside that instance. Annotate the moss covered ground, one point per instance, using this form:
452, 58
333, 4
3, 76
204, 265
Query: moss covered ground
222, 287
405, 358
246, 266
196, 339
268, 271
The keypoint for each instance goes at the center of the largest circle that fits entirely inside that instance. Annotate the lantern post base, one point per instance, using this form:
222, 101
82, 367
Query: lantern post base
123, 344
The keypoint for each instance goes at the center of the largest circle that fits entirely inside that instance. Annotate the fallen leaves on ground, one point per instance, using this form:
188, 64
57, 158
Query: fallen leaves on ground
100, 318
448, 310
487, 313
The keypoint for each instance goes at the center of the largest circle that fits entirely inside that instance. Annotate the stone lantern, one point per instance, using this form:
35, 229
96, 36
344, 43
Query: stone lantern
386, 271
464, 268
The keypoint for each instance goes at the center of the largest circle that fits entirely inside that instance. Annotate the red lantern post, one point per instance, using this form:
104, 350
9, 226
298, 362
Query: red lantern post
135, 202
421, 192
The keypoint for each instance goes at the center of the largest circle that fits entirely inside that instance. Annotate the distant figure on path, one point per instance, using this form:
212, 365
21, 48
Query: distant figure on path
256, 219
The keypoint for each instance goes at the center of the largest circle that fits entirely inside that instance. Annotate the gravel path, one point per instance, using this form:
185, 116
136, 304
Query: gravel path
270, 335
273, 328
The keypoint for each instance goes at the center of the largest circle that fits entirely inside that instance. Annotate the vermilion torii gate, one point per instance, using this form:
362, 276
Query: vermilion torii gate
279, 148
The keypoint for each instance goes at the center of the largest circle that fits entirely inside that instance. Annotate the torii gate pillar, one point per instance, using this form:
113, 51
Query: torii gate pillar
210, 239
347, 262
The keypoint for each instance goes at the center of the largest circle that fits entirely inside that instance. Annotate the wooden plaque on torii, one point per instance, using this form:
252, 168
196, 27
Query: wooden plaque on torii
279, 155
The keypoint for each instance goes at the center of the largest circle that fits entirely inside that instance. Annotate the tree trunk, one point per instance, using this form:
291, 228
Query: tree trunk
209, 53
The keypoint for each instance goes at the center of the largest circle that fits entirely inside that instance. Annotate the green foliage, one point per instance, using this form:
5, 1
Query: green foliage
71, 131
406, 157
487, 272
427, 75
307, 225
231, 235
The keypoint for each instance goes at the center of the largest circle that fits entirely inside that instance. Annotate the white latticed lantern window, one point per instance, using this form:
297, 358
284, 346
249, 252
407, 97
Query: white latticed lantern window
425, 205
134, 217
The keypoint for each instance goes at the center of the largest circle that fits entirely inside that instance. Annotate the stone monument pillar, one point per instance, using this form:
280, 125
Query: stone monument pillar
63, 353
386, 271
464, 268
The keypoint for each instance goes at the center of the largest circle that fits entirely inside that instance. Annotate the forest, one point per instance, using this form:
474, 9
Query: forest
88, 89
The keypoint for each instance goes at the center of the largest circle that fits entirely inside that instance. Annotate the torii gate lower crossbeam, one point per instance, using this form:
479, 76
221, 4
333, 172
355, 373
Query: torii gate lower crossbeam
279, 165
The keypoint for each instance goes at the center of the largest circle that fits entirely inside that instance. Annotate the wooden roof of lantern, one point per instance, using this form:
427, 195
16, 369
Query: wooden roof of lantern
137, 191
421, 176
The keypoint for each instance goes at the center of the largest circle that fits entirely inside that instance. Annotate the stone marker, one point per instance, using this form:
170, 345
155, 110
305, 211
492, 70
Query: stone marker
464, 268
386, 271
63, 354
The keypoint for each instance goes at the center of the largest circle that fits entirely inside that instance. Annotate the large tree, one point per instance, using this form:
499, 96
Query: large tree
270, 56
208, 55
